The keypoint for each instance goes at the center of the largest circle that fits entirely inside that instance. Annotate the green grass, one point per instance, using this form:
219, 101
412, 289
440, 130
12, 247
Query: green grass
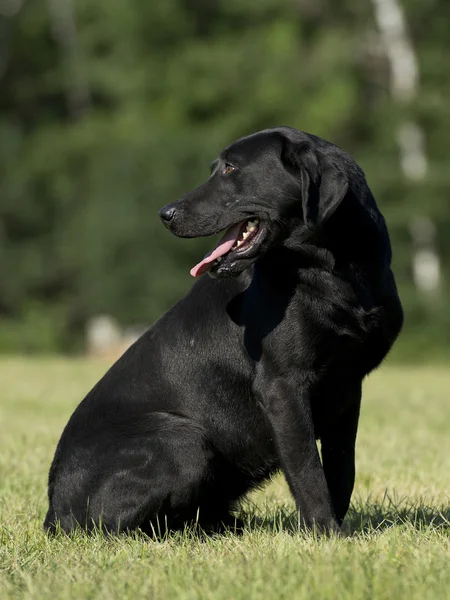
398, 529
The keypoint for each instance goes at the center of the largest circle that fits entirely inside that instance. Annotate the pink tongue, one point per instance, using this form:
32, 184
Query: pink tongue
224, 246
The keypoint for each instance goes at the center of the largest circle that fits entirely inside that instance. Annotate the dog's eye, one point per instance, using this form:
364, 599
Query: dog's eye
229, 169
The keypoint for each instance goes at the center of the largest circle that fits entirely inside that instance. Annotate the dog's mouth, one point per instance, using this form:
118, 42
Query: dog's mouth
239, 241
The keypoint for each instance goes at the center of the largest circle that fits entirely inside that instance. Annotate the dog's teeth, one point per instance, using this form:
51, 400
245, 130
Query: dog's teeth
218, 259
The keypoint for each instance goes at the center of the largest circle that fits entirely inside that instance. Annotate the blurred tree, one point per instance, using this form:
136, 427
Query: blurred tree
109, 110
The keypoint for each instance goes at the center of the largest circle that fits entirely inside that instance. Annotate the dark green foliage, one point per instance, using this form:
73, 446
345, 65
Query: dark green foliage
108, 113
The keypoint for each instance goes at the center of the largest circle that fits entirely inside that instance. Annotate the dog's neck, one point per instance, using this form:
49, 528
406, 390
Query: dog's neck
285, 259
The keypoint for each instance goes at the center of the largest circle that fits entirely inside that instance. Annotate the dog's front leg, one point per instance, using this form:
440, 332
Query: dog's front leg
338, 452
289, 413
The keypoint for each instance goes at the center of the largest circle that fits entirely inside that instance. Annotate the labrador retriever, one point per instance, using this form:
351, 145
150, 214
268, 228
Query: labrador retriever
265, 355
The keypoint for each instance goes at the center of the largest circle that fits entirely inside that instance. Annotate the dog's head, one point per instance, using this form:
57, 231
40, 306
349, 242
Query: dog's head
261, 188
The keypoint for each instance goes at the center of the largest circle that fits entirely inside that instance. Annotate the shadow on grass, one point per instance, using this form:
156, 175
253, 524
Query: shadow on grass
363, 517
368, 516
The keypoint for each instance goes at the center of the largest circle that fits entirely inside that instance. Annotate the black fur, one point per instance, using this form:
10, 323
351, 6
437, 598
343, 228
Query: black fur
242, 376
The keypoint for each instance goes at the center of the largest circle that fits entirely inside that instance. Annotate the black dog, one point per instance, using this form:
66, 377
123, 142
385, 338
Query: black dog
242, 376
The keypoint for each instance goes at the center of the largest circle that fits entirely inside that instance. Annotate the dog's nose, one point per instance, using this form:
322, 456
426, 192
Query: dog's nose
167, 213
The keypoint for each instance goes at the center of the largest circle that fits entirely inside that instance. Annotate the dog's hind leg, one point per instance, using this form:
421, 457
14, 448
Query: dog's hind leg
153, 480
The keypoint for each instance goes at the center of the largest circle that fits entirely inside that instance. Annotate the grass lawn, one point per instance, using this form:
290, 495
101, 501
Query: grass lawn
398, 543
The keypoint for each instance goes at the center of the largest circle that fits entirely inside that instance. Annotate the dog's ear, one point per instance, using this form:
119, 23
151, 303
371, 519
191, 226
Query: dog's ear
323, 185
